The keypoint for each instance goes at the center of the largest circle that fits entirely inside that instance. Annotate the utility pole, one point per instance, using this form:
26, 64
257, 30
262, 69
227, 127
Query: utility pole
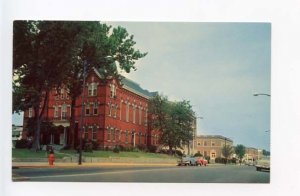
82, 113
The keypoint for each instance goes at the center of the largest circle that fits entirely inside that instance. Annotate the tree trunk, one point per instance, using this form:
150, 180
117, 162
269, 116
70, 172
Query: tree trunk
72, 124
36, 137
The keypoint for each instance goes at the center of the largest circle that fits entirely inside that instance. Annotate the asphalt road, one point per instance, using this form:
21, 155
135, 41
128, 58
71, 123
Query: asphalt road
210, 174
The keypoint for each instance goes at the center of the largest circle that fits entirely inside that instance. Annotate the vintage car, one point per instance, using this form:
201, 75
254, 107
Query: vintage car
201, 161
187, 160
263, 164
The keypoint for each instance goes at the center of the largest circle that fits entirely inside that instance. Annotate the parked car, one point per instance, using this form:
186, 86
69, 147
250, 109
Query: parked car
201, 161
187, 160
263, 164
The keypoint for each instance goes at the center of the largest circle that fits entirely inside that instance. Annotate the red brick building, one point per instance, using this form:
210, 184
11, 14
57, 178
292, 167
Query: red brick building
115, 113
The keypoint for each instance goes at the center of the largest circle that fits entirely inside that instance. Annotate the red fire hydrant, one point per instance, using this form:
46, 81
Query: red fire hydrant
51, 158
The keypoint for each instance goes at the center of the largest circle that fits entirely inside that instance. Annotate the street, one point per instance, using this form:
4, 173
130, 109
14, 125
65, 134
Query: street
210, 174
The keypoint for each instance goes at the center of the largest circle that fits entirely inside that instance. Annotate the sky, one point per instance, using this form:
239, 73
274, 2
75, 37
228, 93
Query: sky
216, 66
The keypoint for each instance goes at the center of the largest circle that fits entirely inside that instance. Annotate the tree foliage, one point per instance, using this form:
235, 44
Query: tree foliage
48, 54
240, 151
227, 151
173, 119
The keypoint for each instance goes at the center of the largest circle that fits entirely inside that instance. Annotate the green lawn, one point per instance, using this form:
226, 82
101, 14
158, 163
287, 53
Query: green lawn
25, 153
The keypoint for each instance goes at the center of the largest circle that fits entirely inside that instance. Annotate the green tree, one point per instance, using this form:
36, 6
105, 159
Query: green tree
266, 153
173, 119
40, 58
227, 151
102, 48
240, 151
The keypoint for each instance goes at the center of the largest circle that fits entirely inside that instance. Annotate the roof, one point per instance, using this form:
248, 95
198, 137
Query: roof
132, 86
215, 137
136, 88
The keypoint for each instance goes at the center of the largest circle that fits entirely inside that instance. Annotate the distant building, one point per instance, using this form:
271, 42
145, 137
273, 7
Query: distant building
16, 134
211, 145
251, 154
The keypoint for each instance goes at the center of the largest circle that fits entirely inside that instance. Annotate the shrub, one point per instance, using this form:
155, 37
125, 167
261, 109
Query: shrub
88, 147
116, 149
152, 148
121, 147
198, 154
207, 158
23, 143
141, 147
95, 144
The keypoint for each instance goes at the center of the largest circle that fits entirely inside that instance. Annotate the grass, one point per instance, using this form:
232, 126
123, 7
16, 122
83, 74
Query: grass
25, 153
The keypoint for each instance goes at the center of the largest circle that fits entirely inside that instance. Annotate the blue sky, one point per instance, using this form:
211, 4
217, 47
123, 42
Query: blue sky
217, 66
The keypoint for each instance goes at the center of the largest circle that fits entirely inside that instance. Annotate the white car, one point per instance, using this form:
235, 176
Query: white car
263, 164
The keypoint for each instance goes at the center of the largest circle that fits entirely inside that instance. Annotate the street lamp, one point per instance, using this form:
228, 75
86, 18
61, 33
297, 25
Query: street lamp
82, 113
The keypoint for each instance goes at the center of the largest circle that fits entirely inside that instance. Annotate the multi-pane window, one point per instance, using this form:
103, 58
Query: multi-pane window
109, 108
94, 133
134, 111
55, 111
92, 89
62, 92
30, 112
115, 111
127, 112
87, 109
140, 116
146, 117
139, 138
126, 136
108, 133
64, 112
86, 133
95, 108
113, 91
113, 134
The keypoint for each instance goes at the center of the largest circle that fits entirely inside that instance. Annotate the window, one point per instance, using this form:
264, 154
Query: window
113, 134
94, 133
121, 110
64, 112
62, 92
113, 92
212, 143
199, 144
92, 89
146, 117
134, 111
55, 111
213, 155
140, 115
127, 112
86, 133
30, 112
115, 111
126, 136
108, 133
95, 108
87, 109
205, 143
145, 142
109, 108
139, 138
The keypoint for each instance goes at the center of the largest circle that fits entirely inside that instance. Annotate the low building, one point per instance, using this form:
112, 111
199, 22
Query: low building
211, 145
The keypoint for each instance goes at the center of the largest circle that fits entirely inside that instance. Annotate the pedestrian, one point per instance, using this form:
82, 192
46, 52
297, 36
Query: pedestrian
51, 158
